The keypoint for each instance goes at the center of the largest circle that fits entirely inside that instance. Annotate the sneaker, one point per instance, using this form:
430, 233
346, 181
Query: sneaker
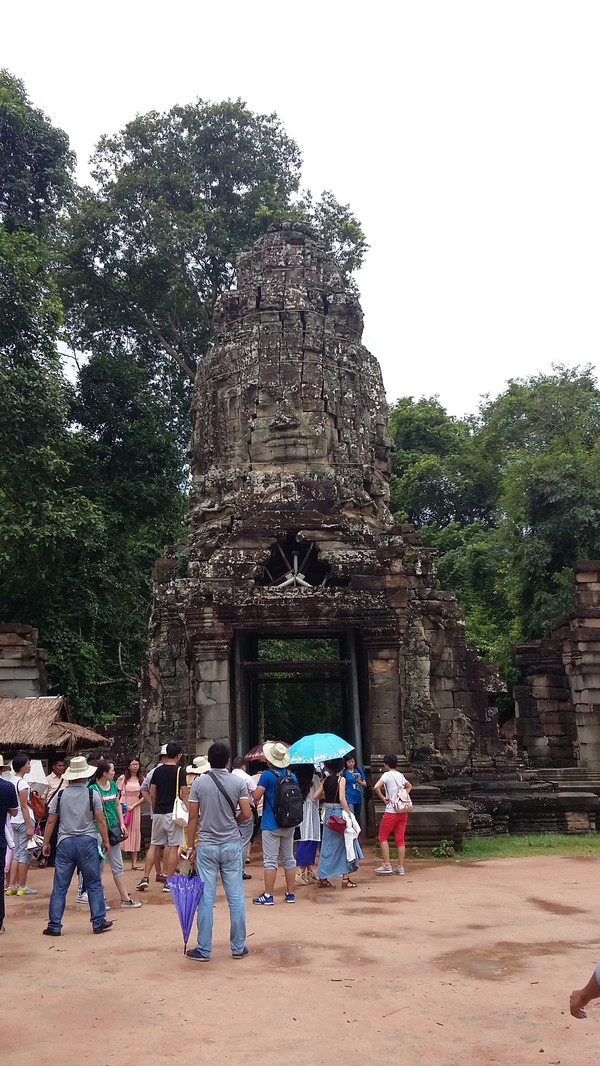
264, 900
399, 870
130, 903
193, 953
166, 889
246, 877
142, 884
241, 954
385, 868
49, 932
2, 930
82, 897
12, 891
27, 891
103, 928
290, 897
160, 879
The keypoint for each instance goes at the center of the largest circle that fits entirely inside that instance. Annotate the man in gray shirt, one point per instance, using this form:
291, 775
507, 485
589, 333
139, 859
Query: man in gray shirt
75, 809
218, 801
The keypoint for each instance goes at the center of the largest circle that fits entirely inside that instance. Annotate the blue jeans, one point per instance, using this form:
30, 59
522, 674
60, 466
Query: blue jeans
73, 852
226, 858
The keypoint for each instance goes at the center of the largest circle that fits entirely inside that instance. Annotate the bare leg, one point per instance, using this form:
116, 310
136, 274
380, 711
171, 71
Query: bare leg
582, 996
290, 879
158, 860
171, 858
151, 859
385, 851
18, 874
401, 854
270, 877
120, 883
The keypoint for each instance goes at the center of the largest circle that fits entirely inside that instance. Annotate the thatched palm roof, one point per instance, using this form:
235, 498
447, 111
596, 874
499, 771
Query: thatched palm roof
40, 722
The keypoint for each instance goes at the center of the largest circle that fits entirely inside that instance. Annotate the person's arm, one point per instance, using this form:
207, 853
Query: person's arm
319, 793
361, 778
192, 829
51, 822
377, 789
120, 821
342, 795
407, 785
258, 794
152, 796
101, 823
245, 810
25, 808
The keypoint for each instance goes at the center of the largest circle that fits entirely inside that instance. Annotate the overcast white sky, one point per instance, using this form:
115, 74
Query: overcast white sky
463, 133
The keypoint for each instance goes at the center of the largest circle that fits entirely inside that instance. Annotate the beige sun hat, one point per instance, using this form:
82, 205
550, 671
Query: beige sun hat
78, 768
199, 765
276, 753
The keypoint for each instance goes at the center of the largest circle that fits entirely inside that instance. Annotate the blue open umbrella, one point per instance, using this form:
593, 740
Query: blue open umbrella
186, 890
318, 747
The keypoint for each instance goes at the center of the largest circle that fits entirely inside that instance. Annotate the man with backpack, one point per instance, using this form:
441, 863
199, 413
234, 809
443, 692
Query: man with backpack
75, 809
282, 812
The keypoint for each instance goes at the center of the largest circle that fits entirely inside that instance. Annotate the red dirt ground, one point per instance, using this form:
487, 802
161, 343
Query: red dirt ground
457, 964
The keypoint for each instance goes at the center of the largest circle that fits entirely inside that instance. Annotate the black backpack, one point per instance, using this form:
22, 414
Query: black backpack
287, 803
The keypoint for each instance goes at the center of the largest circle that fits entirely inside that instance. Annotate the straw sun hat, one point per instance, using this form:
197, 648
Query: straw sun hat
200, 765
78, 768
276, 754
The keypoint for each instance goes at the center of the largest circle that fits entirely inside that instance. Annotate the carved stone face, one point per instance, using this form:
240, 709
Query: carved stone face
287, 391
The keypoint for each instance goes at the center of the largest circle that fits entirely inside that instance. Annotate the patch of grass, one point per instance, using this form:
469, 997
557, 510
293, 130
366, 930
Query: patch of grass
511, 847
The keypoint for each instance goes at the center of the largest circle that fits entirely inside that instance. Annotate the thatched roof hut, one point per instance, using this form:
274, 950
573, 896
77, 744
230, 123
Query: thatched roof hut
41, 723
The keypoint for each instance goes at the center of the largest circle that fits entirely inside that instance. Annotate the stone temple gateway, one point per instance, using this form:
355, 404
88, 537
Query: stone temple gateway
290, 535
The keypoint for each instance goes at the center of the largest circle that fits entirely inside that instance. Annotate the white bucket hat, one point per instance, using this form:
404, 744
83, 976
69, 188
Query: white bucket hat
78, 768
199, 765
276, 754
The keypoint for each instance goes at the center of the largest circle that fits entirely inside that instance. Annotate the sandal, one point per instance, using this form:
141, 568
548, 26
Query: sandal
347, 883
325, 883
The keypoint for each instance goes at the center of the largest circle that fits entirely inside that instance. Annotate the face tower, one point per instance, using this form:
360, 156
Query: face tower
290, 534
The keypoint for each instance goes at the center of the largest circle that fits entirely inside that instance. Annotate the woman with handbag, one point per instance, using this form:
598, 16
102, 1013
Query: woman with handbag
129, 786
333, 861
103, 783
397, 804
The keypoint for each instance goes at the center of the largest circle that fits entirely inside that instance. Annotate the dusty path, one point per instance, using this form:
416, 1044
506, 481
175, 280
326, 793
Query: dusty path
453, 965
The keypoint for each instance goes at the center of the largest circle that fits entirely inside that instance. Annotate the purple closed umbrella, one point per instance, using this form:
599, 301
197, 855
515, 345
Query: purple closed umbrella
186, 890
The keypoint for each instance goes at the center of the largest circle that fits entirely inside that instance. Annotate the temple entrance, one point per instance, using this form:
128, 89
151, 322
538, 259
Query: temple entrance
287, 685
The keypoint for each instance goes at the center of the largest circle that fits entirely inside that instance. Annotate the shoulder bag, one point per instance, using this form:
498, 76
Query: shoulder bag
180, 814
402, 801
215, 781
335, 822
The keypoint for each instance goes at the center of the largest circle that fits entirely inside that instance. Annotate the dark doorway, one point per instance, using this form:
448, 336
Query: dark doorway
287, 686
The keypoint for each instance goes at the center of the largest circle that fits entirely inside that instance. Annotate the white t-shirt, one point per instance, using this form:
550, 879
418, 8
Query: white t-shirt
20, 786
249, 782
393, 781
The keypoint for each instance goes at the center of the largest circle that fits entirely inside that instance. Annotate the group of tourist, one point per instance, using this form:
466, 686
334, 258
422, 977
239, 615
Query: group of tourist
91, 819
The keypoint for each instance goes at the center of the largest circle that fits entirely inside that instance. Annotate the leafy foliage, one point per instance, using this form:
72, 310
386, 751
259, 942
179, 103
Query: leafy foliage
510, 498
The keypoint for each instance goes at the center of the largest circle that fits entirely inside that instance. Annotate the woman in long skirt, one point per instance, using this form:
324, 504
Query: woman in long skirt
129, 785
333, 861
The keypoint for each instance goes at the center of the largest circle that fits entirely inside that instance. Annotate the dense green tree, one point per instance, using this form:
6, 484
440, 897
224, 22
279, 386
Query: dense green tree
35, 162
177, 197
510, 498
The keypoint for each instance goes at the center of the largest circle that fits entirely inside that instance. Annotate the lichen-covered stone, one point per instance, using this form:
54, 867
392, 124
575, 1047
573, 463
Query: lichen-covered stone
290, 450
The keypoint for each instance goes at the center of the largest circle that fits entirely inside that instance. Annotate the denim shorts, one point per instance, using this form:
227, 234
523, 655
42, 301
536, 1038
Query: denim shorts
20, 835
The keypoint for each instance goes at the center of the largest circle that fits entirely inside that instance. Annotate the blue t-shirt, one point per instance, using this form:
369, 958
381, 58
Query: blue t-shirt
8, 801
268, 782
353, 791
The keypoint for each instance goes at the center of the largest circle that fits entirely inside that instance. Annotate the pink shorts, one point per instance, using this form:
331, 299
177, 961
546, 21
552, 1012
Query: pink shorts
395, 822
